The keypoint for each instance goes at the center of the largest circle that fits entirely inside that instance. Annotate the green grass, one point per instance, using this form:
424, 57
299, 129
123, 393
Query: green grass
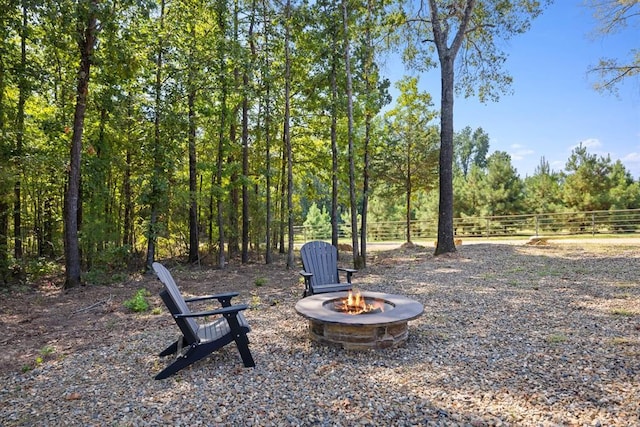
623, 312
556, 338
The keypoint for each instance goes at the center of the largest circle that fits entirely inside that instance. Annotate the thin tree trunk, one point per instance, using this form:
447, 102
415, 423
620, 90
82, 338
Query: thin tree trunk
352, 169
222, 82
22, 98
127, 229
287, 133
368, 71
283, 200
245, 141
234, 209
4, 189
194, 242
4, 239
408, 192
267, 138
152, 231
86, 44
334, 144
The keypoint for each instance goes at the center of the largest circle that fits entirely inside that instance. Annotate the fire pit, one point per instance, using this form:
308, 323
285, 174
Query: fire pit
359, 321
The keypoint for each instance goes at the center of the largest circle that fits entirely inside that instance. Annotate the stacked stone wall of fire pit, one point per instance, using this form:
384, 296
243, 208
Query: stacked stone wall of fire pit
359, 337
380, 329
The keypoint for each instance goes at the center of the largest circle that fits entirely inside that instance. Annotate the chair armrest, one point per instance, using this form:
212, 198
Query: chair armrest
305, 274
224, 298
349, 272
224, 310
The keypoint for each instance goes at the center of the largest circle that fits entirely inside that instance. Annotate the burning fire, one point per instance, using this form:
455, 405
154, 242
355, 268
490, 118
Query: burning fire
355, 303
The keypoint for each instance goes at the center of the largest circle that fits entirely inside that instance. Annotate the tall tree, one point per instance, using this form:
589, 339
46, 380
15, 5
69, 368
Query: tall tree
375, 96
194, 236
614, 16
624, 192
409, 159
286, 132
20, 132
542, 189
266, 76
587, 184
6, 176
470, 147
502, 189
157, 187
87, 35
248, 63
475, 27
350, 136
217, 184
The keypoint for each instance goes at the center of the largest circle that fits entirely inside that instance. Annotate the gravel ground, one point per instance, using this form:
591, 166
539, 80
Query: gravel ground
512, 335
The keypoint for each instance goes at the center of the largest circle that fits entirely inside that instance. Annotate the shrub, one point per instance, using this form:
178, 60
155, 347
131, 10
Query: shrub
138, 302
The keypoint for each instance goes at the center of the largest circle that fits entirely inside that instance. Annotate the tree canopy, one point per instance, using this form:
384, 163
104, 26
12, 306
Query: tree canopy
139, 130
614, 16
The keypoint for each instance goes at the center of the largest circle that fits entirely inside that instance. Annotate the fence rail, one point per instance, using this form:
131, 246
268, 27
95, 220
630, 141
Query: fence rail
548, 224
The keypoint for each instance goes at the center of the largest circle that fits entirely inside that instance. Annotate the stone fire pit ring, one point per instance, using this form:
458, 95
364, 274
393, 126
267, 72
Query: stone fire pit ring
386, 329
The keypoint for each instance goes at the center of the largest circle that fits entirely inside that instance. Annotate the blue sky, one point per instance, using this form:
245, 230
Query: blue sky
554, 107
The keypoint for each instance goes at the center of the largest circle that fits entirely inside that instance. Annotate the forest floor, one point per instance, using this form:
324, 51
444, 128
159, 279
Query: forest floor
43, 321
512, 335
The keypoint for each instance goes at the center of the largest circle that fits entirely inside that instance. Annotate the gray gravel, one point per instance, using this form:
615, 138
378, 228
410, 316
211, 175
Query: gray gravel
512, 335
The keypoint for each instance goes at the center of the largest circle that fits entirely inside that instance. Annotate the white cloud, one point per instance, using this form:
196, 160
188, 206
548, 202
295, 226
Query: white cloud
587, 143
631, 158
519, 152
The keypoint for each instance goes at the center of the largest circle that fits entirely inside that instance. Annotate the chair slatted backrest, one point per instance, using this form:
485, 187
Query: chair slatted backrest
176, 304
321, 259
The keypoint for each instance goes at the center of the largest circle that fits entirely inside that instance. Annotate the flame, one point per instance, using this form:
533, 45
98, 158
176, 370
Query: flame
355, 303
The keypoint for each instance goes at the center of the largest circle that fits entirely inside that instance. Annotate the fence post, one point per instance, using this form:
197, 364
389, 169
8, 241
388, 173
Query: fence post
593, 224
537, 224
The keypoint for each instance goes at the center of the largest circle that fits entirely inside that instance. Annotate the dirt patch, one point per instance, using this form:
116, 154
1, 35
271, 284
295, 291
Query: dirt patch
47, 322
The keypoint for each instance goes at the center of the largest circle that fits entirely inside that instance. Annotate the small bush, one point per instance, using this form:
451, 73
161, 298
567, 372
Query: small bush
138, 302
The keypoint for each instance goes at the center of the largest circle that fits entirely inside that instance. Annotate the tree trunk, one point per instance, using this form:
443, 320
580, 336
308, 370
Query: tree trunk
267, 137
194, 242
4, 240
152, 231
447, 56
350, 137
368, 71
4, 189
282, 202
287, 134
445, 242
409, 188
218, 182
245, 172
48, 224
222, 81
245, 139
22, 98
334, 145
86, 44
127, 226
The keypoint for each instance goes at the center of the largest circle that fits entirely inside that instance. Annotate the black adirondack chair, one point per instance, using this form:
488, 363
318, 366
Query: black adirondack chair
321, 272
198, 341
